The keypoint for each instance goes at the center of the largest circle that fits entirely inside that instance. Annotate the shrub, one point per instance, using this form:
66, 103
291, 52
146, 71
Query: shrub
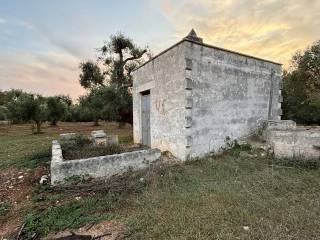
235, 148
82, 147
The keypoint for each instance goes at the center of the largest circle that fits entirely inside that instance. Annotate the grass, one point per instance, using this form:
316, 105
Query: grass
5, 207
232, 196
79, 202
18, 142
70, 215
217, 198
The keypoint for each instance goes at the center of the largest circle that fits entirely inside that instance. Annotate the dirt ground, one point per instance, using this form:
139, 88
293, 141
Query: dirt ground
67, 127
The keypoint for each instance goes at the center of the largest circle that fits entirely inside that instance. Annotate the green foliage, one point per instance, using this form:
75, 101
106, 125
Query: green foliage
235, 148
70, 215
110, 97
91, 75
301, 90
31, 161
108, 103
56, 109
3, 113
28, 107
5, 207
121, 56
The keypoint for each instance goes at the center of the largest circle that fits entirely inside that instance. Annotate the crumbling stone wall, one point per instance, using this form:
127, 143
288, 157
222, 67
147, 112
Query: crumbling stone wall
290, 141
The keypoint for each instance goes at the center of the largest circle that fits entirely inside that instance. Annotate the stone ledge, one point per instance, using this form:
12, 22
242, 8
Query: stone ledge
295, 143
102, 166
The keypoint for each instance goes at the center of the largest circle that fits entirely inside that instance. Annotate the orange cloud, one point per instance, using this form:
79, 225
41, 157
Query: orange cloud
48, 73
272, 29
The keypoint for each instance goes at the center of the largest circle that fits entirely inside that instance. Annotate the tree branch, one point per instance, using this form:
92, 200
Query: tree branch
135, 57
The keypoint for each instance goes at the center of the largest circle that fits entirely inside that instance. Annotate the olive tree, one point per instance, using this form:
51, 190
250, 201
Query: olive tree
109, 80
28, 107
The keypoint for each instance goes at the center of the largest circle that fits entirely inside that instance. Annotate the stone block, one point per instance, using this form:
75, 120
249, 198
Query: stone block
189, 103
189, 83
98, 134
112, 140
188, 121
4, 122
299, 143
188, 64
189, 141
99, 137
281, 125
68, 136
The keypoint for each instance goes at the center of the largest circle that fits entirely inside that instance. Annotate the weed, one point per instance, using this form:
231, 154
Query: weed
235, 148
71, 152
82, 147
71, 215
35, 159
5, 207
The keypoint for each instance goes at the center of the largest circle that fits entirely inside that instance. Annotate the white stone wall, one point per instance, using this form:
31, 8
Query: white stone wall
164, 77
230, 96
96, 167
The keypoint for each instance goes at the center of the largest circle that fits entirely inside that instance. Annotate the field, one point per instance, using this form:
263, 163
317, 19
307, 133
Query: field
232, 196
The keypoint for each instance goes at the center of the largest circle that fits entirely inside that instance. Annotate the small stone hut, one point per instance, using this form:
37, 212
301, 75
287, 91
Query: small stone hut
192, 96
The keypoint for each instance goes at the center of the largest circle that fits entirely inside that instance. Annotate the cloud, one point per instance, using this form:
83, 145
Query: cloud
46, 73
272, 29
2, 21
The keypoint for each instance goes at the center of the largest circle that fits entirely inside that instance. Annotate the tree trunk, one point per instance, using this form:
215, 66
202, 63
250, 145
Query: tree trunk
96, 122
38, 123
54, 123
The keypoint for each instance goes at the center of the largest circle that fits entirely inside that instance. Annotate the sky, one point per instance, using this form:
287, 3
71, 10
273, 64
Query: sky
42, 42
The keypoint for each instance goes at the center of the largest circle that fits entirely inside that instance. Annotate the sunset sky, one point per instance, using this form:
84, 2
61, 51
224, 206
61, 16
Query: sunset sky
42, 42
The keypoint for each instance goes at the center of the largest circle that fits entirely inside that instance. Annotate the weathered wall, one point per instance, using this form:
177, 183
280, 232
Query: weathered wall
229, 94
104, 166
297, 143
164, 77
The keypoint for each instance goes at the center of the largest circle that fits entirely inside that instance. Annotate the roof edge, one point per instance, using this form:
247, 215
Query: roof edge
209, 46
162, 52
231, 51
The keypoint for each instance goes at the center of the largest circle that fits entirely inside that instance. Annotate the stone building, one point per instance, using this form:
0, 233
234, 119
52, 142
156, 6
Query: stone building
192, 96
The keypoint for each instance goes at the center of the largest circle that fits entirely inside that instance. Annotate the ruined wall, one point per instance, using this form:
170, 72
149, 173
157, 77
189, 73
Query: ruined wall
290, 141
228, 95
164, 77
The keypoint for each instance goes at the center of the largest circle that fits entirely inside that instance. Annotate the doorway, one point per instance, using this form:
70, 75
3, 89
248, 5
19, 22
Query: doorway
145, 118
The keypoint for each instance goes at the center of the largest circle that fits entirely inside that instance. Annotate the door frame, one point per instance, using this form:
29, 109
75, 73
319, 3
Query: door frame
142, 94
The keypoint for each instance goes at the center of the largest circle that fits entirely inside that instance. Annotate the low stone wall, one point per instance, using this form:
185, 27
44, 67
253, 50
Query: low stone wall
300, 142
104, 166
